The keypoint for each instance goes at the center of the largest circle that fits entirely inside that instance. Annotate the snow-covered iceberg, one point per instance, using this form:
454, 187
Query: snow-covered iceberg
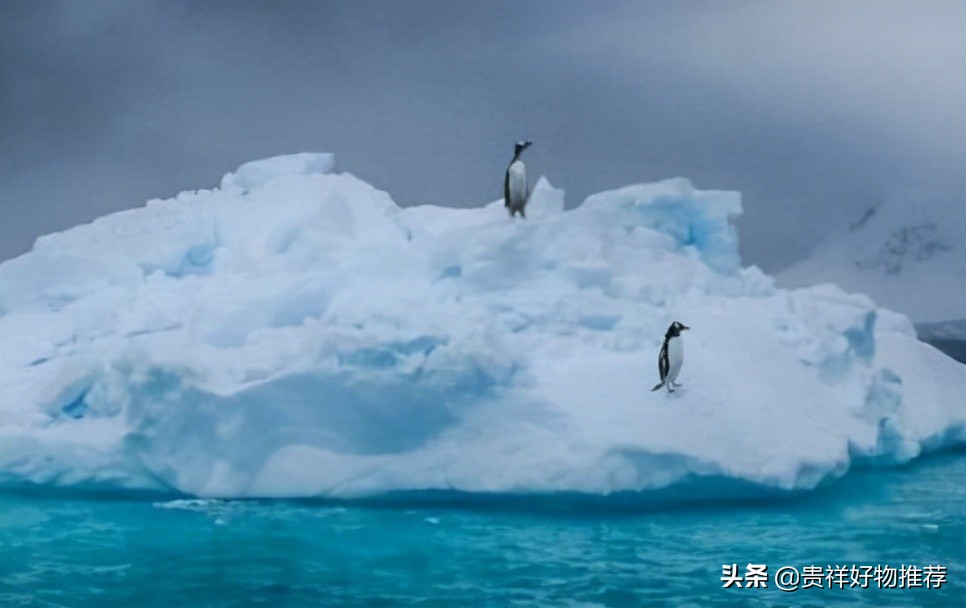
295, 333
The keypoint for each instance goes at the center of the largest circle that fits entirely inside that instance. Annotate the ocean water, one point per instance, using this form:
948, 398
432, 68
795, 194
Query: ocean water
459, 551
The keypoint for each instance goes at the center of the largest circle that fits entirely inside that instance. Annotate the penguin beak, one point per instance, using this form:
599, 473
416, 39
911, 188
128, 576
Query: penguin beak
527, 144
685, 327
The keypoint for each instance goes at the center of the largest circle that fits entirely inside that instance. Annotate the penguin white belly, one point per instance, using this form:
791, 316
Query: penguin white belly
675, 358
518, 184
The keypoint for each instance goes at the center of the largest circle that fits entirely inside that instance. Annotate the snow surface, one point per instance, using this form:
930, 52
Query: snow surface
908, 253
295, 333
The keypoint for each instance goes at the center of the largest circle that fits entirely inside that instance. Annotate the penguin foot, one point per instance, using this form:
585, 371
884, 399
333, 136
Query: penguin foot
676, 384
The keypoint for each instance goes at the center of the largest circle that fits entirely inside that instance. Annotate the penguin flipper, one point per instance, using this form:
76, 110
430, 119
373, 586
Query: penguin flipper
657, 386
506, 189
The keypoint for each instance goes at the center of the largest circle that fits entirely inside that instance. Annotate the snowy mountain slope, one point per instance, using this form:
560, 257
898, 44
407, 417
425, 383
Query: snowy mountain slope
947, 336
908, 254
295, 333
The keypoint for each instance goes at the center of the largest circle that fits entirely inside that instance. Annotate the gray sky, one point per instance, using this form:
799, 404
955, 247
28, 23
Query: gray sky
813, 109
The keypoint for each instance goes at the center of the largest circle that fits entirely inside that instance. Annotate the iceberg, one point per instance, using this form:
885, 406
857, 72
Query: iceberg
295, 333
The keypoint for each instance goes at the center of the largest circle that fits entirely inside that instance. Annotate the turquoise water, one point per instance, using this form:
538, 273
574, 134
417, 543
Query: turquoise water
82, 552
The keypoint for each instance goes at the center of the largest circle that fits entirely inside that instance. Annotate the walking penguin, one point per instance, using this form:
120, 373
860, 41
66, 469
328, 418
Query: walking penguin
515, 188
671, 359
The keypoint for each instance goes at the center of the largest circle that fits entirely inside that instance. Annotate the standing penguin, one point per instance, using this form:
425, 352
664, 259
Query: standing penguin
671, 359
516, 192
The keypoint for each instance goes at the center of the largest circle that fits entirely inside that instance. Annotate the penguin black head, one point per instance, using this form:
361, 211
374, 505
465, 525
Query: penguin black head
675, 329
520, 146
